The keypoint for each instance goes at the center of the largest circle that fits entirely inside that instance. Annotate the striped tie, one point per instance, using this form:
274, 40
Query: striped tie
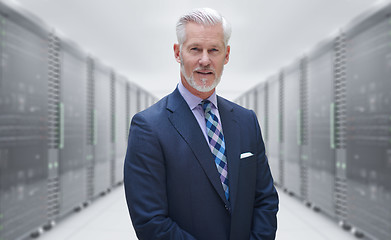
216, 144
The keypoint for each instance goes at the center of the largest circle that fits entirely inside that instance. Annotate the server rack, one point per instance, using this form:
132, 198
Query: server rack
72, 125
132, 104
139, 97
248, 101
344, 125
120, 126
63, 125
152, 100
291, 125
262, 110
23, 124
102, 128
54, 122
321, 173
339, 128
303, 129
142, 99
148, 100
90, 129
245, 101
252, 99
274, 128
368, 132
240, 101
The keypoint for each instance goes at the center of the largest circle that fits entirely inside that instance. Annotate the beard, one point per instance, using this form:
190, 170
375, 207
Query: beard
203, 87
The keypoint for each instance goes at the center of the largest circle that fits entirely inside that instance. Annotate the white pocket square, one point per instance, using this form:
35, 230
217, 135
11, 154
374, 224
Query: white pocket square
245, 155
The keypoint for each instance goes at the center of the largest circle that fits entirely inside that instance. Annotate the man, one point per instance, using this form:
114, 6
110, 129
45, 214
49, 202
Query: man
196, 166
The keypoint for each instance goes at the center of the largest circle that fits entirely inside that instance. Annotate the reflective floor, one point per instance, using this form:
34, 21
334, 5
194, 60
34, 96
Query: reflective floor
108, 218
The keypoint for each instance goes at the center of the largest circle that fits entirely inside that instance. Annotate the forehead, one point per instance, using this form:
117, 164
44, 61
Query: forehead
200, 34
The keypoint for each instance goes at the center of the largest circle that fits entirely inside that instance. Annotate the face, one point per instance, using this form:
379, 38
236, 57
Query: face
202, 58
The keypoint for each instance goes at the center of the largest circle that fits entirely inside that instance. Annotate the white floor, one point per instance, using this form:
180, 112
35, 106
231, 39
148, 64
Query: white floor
108, 218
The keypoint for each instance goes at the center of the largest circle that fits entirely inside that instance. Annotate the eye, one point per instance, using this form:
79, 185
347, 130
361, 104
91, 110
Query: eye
213, 50
194, 49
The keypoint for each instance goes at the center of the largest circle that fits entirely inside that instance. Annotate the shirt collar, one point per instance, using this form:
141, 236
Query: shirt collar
192, 100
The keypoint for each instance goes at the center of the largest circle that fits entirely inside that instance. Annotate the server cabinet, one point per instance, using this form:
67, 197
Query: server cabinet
291, 121
339, 125
252, 99
321, 172
151, 100
148, 99
368, 132
73, 125
120, 126
246, 99
99, 178
141, 99
138, 97
132, 103
154, 100
23, 124
239, 100
275, 128
303, 129
262, 110
90, 128
243, 101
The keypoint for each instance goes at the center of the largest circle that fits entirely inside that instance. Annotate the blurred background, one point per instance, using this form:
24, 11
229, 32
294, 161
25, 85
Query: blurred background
137, 37
73, 73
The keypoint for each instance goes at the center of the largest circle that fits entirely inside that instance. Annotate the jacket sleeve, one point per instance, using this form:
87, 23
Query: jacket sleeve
264, 223
145, 185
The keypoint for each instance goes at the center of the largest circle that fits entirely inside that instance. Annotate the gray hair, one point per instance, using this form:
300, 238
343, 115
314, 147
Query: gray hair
204, 16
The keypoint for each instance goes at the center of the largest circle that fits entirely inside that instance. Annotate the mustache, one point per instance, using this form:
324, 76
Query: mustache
204, 69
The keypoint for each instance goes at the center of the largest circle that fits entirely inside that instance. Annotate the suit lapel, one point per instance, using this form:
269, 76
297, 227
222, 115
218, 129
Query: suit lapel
231, 133
187, 126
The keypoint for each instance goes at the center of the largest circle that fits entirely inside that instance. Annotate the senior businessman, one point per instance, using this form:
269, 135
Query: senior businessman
196, 166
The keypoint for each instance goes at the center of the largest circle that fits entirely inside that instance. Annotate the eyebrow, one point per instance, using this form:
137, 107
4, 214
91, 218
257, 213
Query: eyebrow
198, 45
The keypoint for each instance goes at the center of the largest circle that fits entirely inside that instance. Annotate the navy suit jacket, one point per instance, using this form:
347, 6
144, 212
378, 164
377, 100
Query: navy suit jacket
172, 185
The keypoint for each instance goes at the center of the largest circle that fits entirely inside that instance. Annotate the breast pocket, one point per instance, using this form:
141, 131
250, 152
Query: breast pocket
247, 180
248, 161
248, 167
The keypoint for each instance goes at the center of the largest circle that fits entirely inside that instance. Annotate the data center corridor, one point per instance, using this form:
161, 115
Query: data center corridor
108, 218
319, 83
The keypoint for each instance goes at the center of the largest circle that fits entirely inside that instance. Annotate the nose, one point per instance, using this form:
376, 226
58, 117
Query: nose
204, 60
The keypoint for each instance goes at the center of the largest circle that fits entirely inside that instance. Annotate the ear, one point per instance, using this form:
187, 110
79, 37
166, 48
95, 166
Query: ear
177, 52
227, 54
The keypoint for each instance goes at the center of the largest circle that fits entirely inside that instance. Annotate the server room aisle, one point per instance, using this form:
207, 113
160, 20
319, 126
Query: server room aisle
107, 218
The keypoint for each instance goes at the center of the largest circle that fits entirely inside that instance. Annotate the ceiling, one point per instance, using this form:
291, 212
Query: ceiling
136, 37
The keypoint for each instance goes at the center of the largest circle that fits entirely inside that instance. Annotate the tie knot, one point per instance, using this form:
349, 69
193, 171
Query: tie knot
206, 105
